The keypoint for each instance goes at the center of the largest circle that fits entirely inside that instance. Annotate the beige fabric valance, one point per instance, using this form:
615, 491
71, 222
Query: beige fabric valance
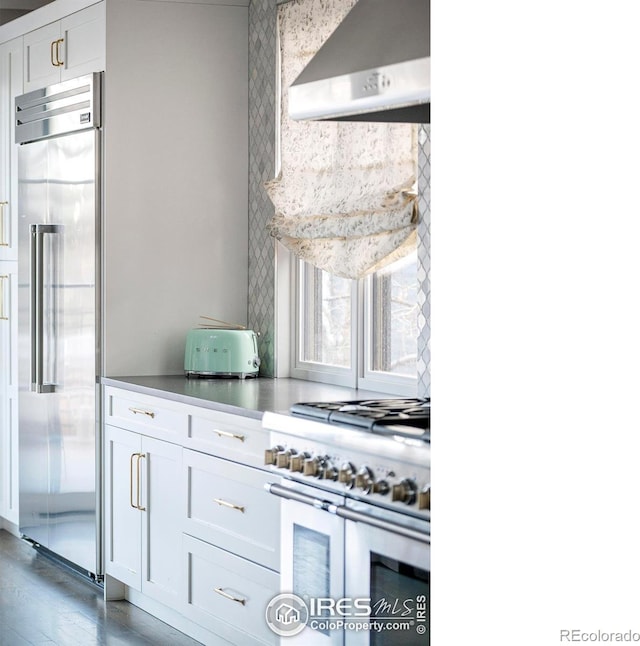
345, 197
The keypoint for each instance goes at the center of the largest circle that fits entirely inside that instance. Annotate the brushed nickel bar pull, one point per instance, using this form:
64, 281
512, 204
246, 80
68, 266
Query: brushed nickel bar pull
226, 595
3, 316
229, 505
133, 455
220, 433
3, 230
140, 411
139, 493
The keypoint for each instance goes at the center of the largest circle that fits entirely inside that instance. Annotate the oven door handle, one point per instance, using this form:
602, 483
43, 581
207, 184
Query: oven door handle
398, 530
290, 494
346, 513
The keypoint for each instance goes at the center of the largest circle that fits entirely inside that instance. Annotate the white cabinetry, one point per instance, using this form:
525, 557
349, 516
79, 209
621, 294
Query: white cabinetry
8, 392
232, 531
10, 87
65, 49
228, 594
178, 514
143, 513
228, 506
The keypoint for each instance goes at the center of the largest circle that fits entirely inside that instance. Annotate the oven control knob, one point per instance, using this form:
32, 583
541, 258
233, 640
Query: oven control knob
365, 479
283, 458
424, 498
346, 475
381, 487
404, 491
311, 467
270, 454
328, 472
297, 461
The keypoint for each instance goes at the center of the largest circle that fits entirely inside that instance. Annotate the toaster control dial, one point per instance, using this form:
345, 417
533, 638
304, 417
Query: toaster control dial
270, 454
296, 463
283, 458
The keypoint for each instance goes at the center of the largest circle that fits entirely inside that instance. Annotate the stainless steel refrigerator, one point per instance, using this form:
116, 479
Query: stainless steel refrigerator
58, 129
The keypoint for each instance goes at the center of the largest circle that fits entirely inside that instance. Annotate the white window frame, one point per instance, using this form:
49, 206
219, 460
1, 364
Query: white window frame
311, 370
374, 379
359, 375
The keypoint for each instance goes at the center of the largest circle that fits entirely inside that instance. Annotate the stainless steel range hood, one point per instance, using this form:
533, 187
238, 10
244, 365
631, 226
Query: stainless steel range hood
376, 66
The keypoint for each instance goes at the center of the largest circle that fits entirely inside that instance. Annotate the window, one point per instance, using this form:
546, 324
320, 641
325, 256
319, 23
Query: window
357, 333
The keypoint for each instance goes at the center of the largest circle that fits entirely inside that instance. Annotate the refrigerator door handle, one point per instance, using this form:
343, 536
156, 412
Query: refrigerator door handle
38, 232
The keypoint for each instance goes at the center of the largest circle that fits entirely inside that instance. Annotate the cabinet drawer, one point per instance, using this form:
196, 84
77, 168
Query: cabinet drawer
228, 506
227, 594
234, 437
147, 415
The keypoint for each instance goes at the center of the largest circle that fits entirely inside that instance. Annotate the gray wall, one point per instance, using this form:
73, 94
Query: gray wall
262, 119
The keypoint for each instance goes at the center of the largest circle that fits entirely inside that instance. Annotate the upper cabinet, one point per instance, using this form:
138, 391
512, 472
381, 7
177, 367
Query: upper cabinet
10, 87
65, 49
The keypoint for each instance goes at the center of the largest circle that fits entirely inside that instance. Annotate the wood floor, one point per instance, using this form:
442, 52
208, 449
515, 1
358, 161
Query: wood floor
42, 603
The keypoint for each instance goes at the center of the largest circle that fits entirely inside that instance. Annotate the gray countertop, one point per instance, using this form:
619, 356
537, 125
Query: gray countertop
247, 397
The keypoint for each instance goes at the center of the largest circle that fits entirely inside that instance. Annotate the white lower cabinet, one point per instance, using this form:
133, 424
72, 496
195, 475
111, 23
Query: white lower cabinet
228, 506
227, 594
143, 513
194, 531
8, 393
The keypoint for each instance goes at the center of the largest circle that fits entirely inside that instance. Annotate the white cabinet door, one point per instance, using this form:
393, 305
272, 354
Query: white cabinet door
143, 502
10, 87
83, 35
228, 506
8, 392
227, 594
162, 531
65, 49
41, 48
123, 525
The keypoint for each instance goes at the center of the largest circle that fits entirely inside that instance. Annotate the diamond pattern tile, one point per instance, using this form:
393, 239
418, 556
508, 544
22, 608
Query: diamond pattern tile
424, 261
262, 137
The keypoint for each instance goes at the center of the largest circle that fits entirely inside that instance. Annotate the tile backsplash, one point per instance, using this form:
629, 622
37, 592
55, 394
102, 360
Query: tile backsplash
262, 138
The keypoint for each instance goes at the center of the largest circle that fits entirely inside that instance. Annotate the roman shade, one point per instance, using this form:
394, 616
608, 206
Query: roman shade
345, 197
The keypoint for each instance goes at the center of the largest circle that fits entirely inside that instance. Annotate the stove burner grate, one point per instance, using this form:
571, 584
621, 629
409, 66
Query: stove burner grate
406, 417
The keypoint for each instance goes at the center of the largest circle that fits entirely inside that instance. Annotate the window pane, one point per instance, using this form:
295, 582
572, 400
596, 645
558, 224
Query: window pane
325, 317
395, 318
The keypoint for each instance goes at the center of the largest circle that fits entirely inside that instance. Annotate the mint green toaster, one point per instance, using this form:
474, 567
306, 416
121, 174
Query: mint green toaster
214, 352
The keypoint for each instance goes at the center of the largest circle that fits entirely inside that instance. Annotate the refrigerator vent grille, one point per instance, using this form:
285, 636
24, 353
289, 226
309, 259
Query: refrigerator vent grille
58, 109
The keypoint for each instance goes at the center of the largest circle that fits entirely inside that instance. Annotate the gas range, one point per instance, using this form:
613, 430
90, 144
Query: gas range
373, 451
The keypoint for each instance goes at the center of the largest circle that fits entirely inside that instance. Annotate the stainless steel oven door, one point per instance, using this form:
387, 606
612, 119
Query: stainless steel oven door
389, 564
311, 558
